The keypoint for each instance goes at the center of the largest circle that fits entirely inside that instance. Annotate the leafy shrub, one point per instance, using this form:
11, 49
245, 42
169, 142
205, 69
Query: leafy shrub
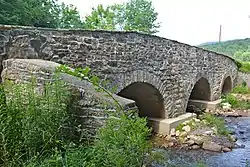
241, 89
235, 103
122, 142
245, 67
31, 121
217, 122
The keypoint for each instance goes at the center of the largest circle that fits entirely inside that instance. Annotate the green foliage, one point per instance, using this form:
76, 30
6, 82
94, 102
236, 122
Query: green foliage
102, 18
217, 122
122, 142
200, 164
84, 74
245, 67
39, 13
241, 89
235, 103
238, 49
136, 15
70, 17
31, 121
139, 15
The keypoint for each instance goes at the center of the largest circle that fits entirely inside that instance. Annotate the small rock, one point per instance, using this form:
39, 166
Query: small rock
183, 134
211, 146
225, 149
186, 128
209, 132
195, 147
214, 129
177, 133
168, 137
190, 142
197, 120
172, 132
197, 139
171, 144
233, 138
164, 145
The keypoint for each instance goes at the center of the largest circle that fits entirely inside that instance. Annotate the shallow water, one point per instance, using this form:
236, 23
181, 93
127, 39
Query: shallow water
239, 157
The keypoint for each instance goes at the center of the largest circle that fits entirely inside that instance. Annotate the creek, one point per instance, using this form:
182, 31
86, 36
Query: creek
238, 157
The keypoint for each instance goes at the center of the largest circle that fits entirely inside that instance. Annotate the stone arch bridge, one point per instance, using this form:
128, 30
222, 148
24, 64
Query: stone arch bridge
161, 75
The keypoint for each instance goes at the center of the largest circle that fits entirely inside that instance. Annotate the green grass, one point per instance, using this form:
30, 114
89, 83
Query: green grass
31, 132
241, 89
244, 67
217, 122
235, 103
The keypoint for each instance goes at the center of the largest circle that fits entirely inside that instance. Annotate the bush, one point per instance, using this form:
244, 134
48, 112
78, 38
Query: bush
241, 89
235, 103
244, 67
217, 122
122, 142
31, 121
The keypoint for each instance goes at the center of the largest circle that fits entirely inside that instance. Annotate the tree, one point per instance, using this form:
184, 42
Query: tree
136, 15
39, 13
70, 17
101, 18
139, 15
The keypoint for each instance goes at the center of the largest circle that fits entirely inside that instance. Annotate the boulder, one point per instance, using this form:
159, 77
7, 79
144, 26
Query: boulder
186, 128
172, 132
225, 149
197, 139
211, 146
195, 147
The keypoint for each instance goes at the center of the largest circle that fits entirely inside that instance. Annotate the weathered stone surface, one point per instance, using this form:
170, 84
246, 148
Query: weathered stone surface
89, 106
171, 67
211, 146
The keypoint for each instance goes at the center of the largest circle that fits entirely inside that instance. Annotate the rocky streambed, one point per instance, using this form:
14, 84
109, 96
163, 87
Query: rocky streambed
205, 146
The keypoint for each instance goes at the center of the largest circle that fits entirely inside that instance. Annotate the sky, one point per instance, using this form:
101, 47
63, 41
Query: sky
192, 21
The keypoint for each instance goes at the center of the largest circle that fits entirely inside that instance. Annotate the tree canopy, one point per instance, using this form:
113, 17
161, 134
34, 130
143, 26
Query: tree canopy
136, 15
238, 49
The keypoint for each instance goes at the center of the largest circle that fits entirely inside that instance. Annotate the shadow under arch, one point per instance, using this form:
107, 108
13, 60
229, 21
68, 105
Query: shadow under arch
201, 90
149, 100
227, 85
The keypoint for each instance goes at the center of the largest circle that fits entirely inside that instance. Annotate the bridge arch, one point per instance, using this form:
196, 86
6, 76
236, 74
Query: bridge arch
147, 90
226, 84
148, 99
199, 89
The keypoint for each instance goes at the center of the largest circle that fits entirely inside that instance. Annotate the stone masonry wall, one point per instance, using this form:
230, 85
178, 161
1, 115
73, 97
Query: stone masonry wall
125, 57
243, 77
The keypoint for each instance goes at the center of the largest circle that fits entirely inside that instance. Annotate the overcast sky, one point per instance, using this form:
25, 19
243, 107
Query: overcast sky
192, 21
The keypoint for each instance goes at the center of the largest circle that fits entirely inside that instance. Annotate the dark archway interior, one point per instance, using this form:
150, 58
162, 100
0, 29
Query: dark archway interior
227, 86
148, 99
201, 90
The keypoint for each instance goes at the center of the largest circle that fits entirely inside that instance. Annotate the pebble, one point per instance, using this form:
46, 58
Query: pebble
225, 149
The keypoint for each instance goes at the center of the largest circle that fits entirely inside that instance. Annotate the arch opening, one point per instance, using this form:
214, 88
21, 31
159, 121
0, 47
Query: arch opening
199, 95
201, 90
148, 99
227, 86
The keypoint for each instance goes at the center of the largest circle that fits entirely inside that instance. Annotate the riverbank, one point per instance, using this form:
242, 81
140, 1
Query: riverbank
238, 157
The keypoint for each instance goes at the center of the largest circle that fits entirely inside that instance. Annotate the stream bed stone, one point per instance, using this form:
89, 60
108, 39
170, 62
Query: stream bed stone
238, 157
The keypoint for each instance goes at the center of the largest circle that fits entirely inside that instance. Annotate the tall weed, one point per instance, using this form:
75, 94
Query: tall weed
31, 121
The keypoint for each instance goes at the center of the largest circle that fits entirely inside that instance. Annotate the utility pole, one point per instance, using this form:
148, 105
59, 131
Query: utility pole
219, 45
220, 34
